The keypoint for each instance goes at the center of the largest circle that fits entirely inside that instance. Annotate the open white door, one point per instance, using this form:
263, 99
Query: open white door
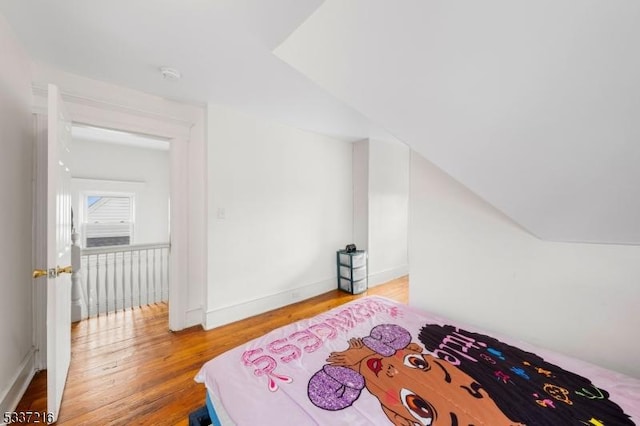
57, 270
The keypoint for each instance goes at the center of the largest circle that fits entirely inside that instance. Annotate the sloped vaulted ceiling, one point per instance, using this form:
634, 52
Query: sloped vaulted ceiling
535, 106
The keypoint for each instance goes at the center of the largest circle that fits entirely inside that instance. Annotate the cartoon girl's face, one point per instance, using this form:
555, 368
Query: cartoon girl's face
427, 390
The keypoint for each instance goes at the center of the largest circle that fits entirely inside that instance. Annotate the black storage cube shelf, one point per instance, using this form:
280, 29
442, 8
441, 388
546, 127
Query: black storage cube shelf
352, 271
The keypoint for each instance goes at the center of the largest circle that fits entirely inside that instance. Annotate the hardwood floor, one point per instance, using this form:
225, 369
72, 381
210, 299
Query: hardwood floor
128, 368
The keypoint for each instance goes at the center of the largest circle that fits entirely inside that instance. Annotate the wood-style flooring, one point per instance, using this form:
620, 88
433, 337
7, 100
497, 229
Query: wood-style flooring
129, 369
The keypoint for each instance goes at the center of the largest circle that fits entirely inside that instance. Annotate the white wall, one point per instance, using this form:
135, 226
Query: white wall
280, 205
16, 140
470, 262
118, 168
388, 210
381, 206
360, 176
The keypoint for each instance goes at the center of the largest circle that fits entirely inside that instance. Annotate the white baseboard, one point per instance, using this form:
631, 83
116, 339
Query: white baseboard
382, 277
193, 317
11, 395
228, 314
77, 313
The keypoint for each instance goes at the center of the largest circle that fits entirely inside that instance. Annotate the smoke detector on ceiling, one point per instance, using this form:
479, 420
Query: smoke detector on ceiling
170, 73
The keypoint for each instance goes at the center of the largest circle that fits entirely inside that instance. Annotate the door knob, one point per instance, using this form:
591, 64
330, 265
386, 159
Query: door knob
37, 273
64, 270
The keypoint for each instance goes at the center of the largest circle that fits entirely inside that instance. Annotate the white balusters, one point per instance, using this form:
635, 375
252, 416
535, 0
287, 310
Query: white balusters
78, 310
106, 282
146, 256
88, 278
155, 293
97, 284
161, 275
107, 270
139, 278
131, 277
123, 290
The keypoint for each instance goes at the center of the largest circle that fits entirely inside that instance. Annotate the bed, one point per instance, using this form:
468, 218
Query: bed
374, 361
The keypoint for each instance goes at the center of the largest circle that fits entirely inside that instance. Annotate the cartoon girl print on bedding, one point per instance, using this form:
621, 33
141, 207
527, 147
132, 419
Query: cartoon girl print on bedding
417, 388
525, 386
412, 387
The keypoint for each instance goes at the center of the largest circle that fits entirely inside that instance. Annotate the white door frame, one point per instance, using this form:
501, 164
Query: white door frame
110, 115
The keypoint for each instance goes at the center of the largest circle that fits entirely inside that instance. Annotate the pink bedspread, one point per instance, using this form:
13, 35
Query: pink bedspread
375, 362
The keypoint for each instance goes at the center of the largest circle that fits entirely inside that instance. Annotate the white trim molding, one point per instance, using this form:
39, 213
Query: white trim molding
382, 277
179, 234
228, 314
126, 185
112, 107
39, 233
10, 397
194, 317
41, 91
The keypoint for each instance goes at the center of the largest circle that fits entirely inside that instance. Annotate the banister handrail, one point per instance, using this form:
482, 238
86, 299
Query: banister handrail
120, 249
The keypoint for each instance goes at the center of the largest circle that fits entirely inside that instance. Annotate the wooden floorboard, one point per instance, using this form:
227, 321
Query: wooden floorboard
128, 368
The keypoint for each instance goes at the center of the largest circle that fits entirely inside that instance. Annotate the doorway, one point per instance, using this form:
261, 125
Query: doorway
105, 112
120, 194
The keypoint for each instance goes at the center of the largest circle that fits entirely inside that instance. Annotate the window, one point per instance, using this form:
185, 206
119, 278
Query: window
108, 220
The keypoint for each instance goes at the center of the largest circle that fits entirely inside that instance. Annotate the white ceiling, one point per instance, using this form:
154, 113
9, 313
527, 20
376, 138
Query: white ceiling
535, 106
221, 47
